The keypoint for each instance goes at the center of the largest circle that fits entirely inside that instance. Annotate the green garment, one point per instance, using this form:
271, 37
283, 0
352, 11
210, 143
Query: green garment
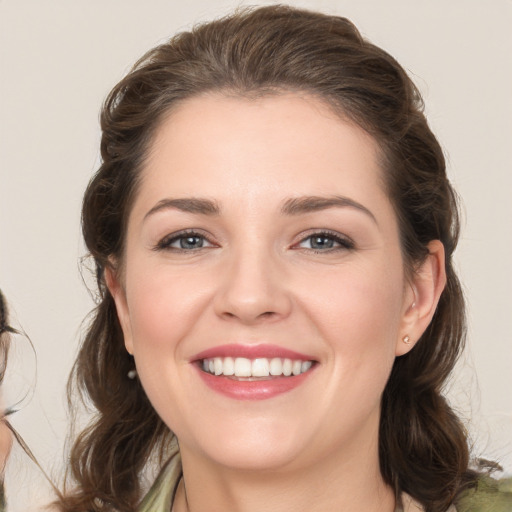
490, 496
161, 495
2, 497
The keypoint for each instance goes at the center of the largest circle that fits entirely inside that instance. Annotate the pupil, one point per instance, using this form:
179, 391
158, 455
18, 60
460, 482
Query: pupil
322, 242
191, 242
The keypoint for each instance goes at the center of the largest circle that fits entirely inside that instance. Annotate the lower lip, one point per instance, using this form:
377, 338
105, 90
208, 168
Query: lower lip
252, 389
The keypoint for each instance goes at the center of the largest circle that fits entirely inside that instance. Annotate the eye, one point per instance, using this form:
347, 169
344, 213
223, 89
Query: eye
184, 241
325, 242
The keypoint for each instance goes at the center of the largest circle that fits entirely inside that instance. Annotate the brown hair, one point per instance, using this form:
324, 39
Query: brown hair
5, 329
423, 446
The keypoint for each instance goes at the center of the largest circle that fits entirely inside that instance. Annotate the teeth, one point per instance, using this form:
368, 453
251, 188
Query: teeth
276, 366
287, 367
228, 366
261, 367
306, 365
217, 364
243, 367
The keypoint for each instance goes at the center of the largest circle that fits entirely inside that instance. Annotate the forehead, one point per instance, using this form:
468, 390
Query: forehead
274, 146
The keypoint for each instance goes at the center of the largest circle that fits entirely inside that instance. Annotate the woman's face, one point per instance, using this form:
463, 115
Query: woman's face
262, 242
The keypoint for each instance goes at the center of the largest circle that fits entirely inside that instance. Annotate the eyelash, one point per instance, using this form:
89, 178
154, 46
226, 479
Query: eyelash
344, 243
165, 243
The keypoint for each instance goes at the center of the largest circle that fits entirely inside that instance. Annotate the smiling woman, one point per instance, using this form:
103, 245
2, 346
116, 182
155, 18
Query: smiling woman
273, 232
235, 282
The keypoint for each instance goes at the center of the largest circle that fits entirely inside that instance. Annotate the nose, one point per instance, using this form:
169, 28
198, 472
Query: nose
253, 288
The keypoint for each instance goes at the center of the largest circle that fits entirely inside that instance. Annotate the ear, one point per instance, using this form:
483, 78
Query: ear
421, 297
118, 293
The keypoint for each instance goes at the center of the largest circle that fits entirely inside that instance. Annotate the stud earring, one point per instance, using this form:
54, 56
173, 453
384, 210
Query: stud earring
132, 374
406, 339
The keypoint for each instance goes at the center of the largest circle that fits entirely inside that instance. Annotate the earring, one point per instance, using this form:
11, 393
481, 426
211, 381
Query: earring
132, 373
406, 339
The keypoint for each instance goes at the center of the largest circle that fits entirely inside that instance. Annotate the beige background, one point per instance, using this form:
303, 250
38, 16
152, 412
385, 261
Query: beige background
59, 58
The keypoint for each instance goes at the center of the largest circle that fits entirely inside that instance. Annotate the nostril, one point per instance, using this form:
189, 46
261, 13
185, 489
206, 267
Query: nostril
261, 316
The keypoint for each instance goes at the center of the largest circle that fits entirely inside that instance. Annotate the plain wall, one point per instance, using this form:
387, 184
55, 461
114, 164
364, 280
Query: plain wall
58, 60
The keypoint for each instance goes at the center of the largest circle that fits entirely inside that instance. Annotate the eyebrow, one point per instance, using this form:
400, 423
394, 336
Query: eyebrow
292, 206
188, 205
307, 204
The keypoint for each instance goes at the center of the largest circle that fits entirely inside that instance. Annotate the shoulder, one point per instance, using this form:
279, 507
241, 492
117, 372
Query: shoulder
490, 495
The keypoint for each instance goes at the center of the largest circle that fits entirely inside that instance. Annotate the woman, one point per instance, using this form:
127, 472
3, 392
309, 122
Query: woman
5, 434
15, 394
273, 231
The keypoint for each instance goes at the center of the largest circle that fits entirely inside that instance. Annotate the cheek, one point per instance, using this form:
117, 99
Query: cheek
163, 307
358, 313
364, 299
359, 319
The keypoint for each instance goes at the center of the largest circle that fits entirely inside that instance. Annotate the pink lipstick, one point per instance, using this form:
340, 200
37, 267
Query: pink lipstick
252, 372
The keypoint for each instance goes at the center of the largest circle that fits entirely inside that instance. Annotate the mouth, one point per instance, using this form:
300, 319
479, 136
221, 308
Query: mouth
246, 372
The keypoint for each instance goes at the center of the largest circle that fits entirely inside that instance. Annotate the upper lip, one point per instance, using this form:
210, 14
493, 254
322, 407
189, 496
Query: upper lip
251, 352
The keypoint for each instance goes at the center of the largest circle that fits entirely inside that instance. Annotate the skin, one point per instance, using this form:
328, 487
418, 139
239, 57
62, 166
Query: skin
5, 446
257, 279
5, 433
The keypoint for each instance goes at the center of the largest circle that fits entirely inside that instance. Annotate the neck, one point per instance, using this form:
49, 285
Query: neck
351, 482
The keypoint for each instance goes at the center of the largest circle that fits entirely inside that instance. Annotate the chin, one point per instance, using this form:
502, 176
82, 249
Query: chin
260, 457
253, 449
